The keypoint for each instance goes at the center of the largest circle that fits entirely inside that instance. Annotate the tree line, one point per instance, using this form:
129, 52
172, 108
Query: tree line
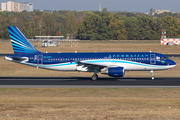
91, 25
38, 23
103, 26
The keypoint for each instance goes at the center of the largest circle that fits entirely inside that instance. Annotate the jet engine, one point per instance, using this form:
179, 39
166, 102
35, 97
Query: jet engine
113, 71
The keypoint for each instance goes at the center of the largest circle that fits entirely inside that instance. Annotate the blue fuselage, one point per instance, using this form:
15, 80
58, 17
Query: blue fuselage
69, 61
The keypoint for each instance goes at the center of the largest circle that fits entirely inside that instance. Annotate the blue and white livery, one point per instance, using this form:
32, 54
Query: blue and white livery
112, 63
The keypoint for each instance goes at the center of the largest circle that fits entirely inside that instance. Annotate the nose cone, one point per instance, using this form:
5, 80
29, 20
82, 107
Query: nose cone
171, 62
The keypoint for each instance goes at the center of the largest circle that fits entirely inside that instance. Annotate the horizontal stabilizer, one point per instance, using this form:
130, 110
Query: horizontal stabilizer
19, 58
16, 58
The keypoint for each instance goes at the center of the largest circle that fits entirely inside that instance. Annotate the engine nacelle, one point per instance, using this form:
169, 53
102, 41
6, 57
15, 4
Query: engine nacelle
113, 71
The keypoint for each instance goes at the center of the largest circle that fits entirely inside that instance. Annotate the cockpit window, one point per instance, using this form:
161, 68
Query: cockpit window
164, 58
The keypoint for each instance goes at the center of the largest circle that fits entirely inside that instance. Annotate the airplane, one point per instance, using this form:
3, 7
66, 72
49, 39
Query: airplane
113, 64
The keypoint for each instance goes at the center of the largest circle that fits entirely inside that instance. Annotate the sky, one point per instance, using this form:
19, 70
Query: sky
111, 5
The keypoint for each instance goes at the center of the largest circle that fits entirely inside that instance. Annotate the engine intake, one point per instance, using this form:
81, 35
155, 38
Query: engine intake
113, 71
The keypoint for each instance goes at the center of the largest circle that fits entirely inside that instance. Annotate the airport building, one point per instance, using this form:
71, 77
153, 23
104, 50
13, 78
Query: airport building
26, 6
162, 11
11, 6
3, 6
153, 11
16, 7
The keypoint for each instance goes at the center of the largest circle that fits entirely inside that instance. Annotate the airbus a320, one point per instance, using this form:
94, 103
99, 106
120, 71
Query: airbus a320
114, 64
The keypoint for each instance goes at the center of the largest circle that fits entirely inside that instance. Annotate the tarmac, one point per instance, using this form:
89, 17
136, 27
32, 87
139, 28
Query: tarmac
86, 82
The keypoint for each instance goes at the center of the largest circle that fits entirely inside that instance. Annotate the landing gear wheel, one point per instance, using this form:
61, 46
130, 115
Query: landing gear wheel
94, 77
152, 75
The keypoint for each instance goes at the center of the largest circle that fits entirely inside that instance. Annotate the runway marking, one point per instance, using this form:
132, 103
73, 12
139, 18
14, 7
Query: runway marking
36, 79
127, 79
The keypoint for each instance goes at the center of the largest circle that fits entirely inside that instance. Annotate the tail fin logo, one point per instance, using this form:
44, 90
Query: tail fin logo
19, 42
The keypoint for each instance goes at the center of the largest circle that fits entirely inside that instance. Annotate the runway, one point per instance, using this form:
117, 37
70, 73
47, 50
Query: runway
86, 82
173, 55
3, 55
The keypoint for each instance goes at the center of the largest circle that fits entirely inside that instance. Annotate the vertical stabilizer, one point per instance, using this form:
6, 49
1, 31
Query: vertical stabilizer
19, 42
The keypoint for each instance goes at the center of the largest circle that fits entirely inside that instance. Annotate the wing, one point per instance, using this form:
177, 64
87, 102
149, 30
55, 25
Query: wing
89, 67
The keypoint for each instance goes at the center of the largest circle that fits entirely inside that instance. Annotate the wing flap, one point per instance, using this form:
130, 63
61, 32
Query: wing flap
91, 64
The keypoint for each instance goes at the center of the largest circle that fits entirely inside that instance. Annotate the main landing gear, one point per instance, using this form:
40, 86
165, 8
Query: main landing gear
95, 76
152, 75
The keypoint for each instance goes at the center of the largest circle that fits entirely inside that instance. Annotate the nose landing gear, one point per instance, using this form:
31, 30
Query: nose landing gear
152, 75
